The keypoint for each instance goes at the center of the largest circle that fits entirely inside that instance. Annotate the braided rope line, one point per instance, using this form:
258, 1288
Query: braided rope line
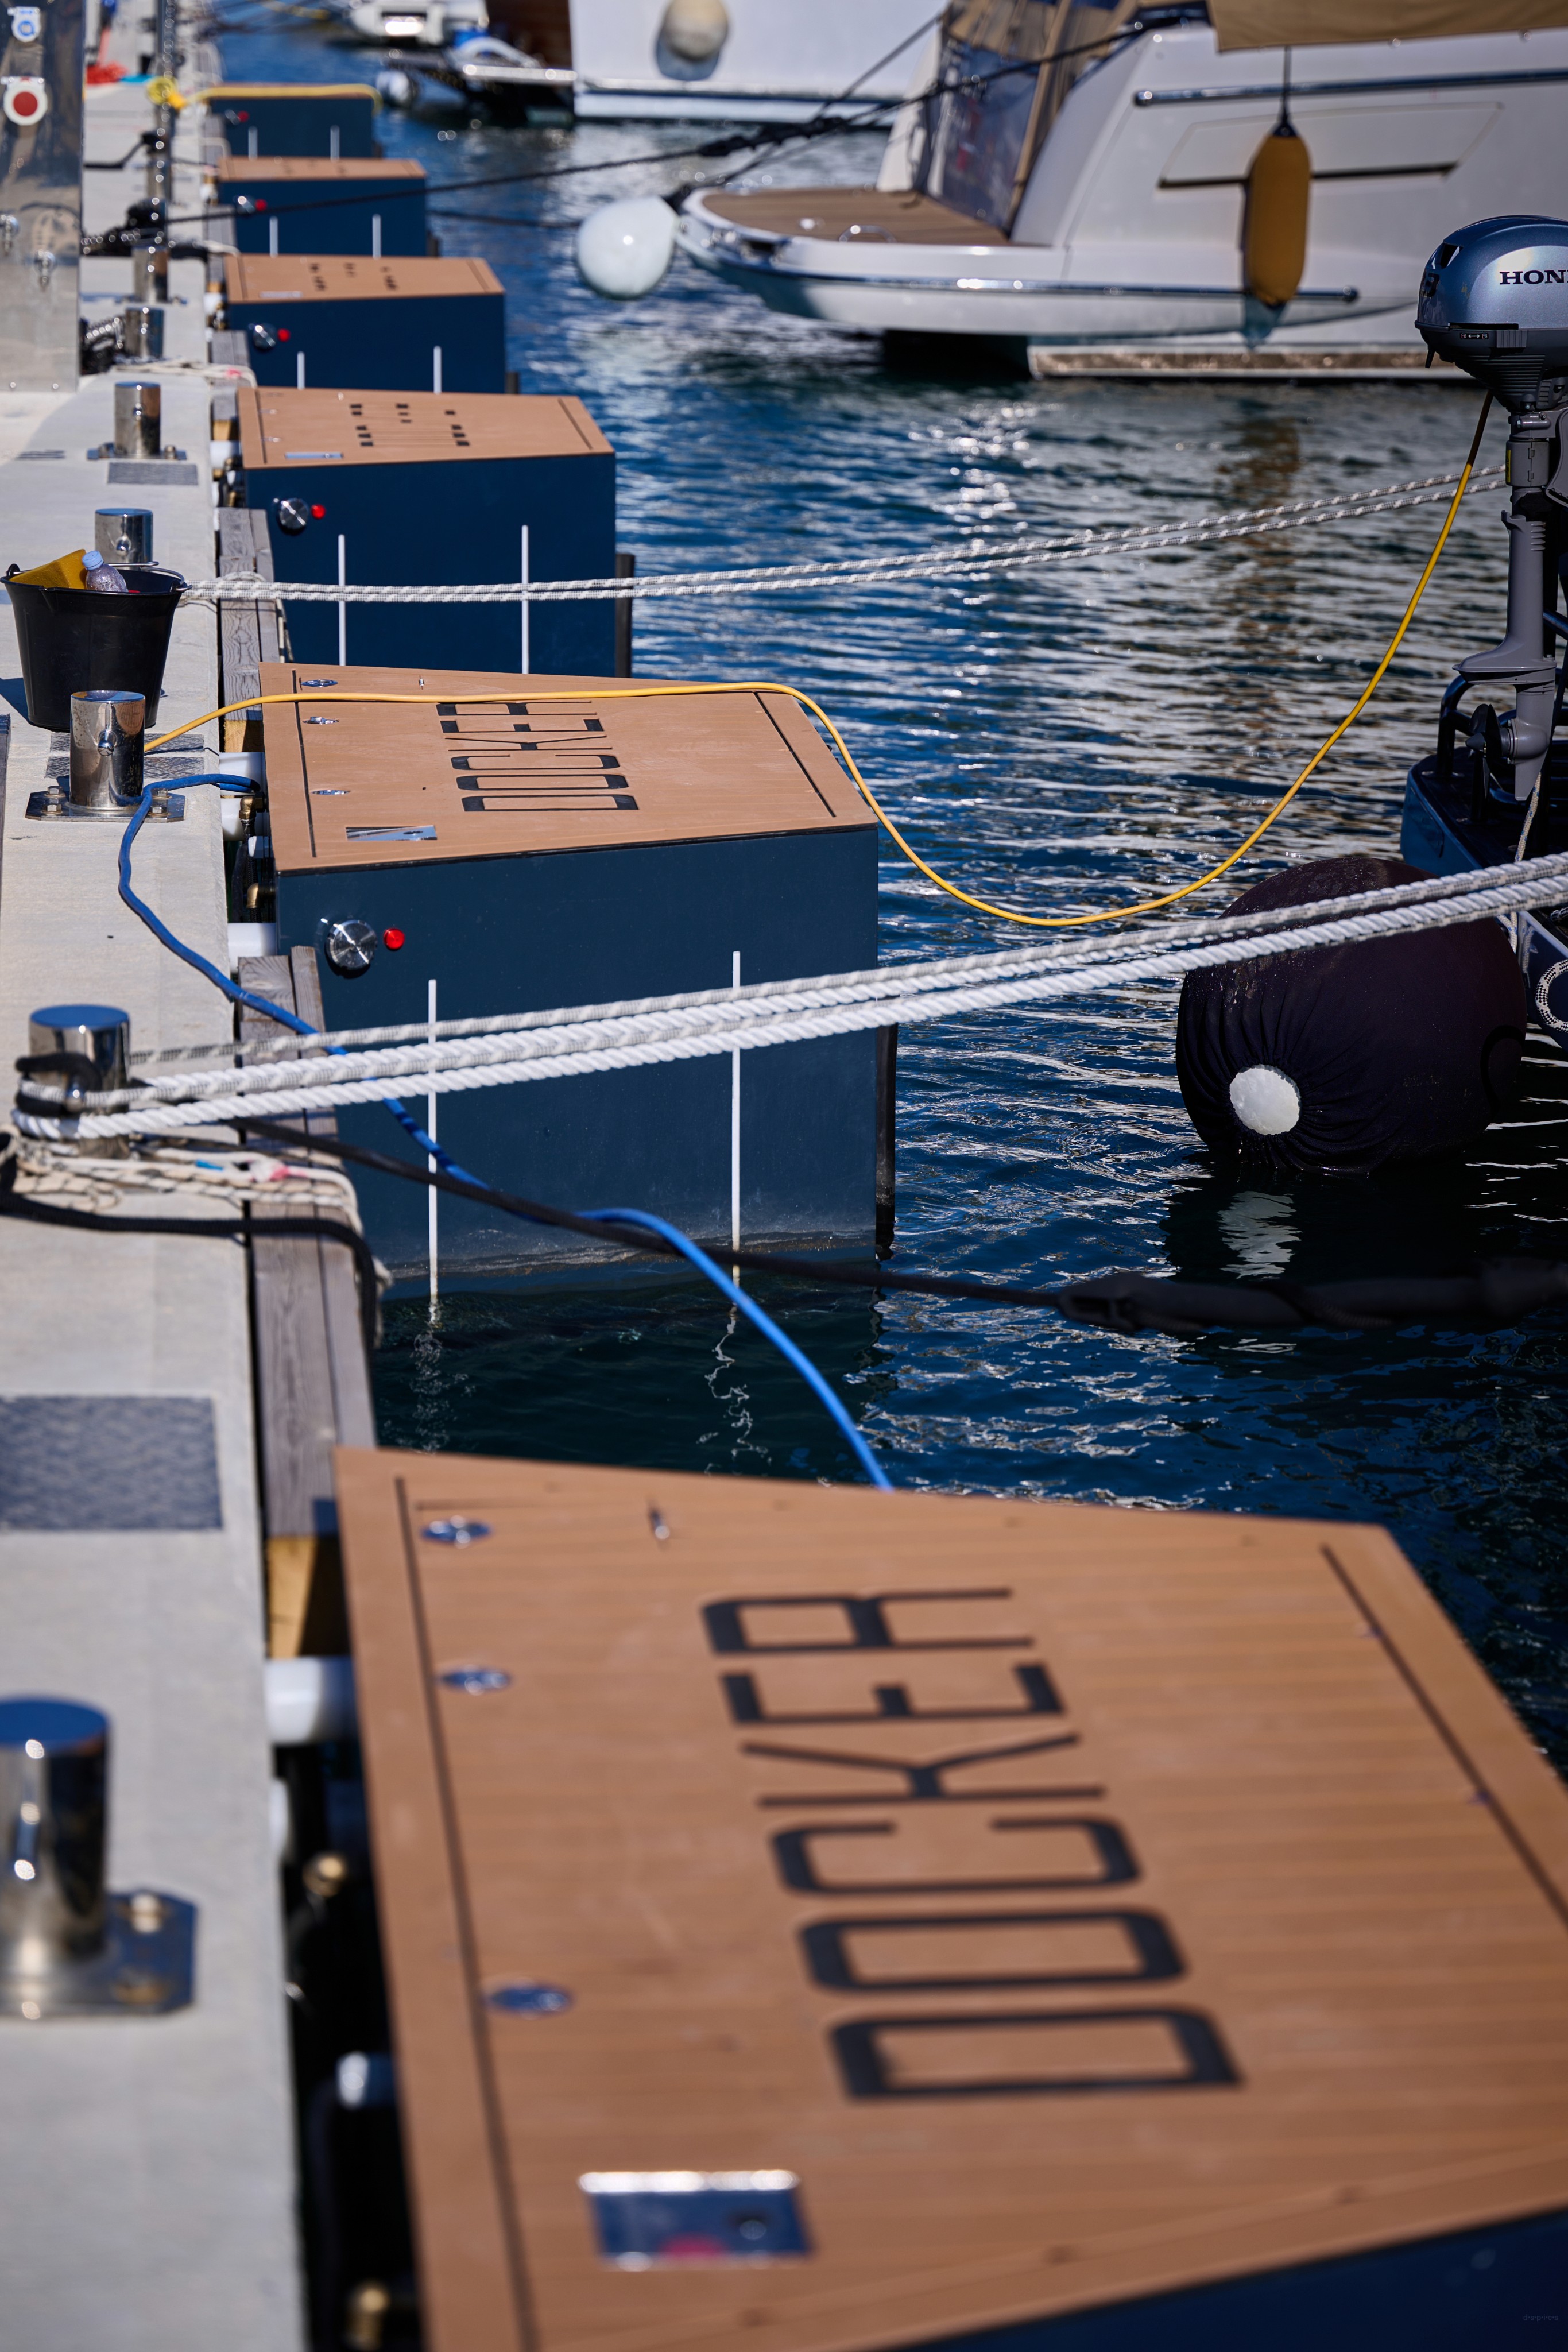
566, 1050
979, 562
52, 1171
891, 982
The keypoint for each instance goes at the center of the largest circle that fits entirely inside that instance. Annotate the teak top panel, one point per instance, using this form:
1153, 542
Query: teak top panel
223, 93
515, 773
886, 216
315, 167
1079, 1903
285, 427
350, 277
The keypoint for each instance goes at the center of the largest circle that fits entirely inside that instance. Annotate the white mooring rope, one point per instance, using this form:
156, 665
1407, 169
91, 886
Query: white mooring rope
981, 559
582, 1040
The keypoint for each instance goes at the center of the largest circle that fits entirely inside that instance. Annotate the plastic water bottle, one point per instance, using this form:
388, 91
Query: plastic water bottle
103, 577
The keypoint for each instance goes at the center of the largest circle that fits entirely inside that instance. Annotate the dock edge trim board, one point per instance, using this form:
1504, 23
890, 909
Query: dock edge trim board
685, 1797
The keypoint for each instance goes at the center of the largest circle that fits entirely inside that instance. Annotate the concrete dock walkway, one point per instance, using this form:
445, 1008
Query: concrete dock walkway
155, 2206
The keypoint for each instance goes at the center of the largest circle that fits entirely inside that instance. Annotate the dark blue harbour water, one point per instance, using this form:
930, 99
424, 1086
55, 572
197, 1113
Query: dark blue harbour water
1064, 744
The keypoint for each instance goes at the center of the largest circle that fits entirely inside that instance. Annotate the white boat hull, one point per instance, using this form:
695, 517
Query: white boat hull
778, 63
1128, 236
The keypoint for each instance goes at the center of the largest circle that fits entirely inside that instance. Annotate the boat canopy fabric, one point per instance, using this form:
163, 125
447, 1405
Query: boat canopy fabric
1299, 24
1006, 69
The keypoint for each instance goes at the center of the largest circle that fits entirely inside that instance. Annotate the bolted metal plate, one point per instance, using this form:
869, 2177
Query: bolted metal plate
147, 1967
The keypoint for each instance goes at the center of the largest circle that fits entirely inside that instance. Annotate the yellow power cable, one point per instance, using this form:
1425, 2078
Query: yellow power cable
771, 686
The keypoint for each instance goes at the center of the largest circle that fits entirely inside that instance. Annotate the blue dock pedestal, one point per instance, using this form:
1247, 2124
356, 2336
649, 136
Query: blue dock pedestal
330, 119
310, 204
336, 321
523, 853
412, 489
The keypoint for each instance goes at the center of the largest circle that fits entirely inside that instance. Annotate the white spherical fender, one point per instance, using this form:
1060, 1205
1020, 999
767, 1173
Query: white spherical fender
1265, 1101
625, 249
694, 30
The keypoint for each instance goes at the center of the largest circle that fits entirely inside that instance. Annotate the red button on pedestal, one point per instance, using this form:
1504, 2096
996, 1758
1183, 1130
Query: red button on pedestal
392, 939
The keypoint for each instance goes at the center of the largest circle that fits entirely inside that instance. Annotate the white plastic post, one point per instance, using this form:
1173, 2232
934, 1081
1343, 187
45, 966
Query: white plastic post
434, 1196
375, 237
343, 607
436, 369
272, 233
735, 1133
299, 371
523, 576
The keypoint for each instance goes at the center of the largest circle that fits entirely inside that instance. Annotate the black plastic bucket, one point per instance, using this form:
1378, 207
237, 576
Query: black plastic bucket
75, 637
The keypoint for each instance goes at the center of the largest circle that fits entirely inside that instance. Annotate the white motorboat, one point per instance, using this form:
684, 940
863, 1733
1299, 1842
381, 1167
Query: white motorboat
413, 24
510, 84
722, 60
1078, 177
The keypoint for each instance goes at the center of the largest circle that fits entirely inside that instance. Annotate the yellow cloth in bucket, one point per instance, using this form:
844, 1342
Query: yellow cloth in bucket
65, 571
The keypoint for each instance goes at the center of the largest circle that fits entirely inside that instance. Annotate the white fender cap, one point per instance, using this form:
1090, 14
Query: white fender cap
695, 30
625, 249
1265, 1101
309, 1699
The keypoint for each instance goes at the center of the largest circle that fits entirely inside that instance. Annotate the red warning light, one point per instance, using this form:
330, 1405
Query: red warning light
393, 939
317, 514
285, 334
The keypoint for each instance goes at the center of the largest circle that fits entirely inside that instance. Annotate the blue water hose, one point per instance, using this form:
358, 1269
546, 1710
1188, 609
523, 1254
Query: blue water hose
765, 1324
671, 1233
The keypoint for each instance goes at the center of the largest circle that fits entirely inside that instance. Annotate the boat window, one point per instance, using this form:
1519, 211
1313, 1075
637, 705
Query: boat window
1006, 68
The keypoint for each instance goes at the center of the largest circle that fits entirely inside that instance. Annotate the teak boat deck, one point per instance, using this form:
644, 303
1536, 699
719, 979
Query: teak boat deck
830, 1920
883, 216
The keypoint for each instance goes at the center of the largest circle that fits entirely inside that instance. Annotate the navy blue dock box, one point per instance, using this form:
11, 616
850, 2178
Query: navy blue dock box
524, 854
338, 320
310, 204
273, 118
419, 490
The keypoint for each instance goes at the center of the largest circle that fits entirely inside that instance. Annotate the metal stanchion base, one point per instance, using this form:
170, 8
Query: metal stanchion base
55, 800
147, 1966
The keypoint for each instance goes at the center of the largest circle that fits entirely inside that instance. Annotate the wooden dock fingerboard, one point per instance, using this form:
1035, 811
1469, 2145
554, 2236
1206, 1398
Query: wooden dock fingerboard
1029, 1906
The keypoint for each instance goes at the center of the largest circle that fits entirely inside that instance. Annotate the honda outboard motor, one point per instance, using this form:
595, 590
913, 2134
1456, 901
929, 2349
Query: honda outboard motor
1494, 300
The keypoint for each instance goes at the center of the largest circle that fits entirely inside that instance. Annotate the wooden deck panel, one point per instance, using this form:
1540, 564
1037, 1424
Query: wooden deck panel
313, 1377
882, 216
496, 774
1354, 1864
248, 634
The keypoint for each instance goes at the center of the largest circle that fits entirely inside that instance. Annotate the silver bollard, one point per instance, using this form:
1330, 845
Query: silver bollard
68, 1947
109, 728
137, 420
98, 1035
54, 1793
123, 534
141, 332
150, 273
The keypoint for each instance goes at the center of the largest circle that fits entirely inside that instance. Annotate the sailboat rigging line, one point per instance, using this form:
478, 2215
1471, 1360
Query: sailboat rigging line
443, 1164
925, 565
